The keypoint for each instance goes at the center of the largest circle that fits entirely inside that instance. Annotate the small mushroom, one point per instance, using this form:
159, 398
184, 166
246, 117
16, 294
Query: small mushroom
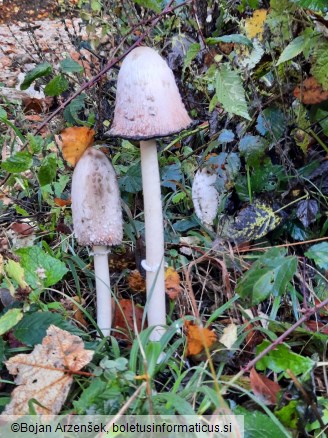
148, 105
97, 221
205, 196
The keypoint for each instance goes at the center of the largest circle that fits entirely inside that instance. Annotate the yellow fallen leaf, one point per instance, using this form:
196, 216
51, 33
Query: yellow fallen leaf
74, 141
254, 25
46, 373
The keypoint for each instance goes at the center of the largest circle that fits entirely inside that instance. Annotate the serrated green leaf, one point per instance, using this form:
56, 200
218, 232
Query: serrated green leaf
10, 319
191, 54
40, 70
233, 38
131, 182
293, 49
319, 253
71, 112
320, 65
36, 143
154, 5
270, 274
56, 86
32, 328
48, 170
282, 359
40, 267
230, 92
315, 5
19, 162
68, 65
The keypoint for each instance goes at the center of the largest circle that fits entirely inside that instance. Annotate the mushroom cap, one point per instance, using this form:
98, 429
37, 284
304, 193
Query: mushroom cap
205, 197
148, 102
96, 203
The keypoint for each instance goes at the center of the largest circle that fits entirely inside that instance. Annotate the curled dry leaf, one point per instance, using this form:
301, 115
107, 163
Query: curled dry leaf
136, 281
229, 336
198, 338
74, 141
46, 373
172, 283
124, 316
310, 92
264, 388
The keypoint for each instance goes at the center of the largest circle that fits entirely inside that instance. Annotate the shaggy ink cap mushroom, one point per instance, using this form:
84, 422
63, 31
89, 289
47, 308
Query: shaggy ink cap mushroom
97, 221
96, 203
148, 103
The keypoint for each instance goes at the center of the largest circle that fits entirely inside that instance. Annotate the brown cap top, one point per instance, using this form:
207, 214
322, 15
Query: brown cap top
96, 203
148, 102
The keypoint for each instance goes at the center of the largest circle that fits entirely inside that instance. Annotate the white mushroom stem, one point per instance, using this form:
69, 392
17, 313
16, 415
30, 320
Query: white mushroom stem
104, 307
154, 233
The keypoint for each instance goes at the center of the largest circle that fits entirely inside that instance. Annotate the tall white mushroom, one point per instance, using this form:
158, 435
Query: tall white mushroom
148, 106
97, 221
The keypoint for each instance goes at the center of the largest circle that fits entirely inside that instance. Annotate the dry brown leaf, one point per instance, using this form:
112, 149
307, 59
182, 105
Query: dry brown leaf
172, 283
264, 388
136, 281
317, 326
310, 92
22, 228
123, 321
46, 373
254, 25
74, 141
198, 337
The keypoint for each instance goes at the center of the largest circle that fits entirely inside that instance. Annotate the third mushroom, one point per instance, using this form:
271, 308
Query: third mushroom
148, 106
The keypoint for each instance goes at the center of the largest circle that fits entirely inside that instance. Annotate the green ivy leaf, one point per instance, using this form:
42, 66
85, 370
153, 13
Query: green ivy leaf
71, 112
319, 253
154, 5
131, 182
230, 92
282, 359
40, 70
10, 319
270, 274
56, 86
48, 170
68, 65
40, 267
18, 162
170, 174
233, 38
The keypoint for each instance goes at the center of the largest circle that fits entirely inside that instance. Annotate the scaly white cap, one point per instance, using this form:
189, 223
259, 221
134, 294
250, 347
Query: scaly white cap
96, 202
148, 103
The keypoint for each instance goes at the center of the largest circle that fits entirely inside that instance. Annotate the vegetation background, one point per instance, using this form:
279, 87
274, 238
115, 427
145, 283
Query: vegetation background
247, 295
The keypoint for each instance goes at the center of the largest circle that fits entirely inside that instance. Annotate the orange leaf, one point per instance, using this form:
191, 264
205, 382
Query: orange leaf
264, 388
62, 202
310, 92
198, 338
123, 321
74, 141
172, 283
136, 281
